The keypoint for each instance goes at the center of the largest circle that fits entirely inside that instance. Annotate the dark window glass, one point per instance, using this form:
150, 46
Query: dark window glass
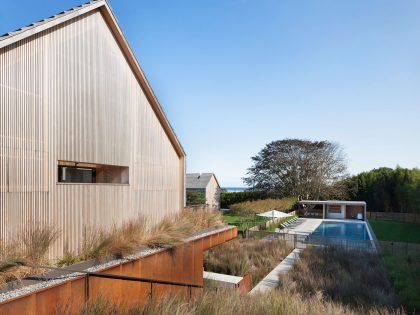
89, 173
69, 174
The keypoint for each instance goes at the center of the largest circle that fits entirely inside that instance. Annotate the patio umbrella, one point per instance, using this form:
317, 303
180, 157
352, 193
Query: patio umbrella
274, 214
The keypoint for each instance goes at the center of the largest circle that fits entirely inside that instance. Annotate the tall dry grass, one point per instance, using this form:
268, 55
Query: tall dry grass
130, 236
348, 277
25, 252
258, 206
173, 230
239, 257
30, 248
230, 302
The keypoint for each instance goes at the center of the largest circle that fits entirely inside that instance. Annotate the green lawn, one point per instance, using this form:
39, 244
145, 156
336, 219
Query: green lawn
243, 222
386, 230
404, 270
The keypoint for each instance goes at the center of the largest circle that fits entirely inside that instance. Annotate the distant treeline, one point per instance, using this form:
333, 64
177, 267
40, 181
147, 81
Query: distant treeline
383, 189
387, 190
229, 198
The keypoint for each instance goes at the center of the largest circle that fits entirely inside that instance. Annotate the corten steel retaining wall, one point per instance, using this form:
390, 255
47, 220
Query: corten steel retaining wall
246, 284
181, 264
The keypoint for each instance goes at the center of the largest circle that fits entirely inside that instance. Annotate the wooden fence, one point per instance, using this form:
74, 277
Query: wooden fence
399, 248
397, 216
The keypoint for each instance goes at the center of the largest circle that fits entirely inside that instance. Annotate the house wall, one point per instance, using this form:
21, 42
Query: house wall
69, 94
213, 193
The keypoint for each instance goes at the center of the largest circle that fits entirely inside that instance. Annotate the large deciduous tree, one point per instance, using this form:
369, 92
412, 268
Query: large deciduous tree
299, 168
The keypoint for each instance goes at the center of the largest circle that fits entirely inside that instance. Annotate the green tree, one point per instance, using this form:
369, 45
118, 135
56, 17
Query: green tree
388, 190
195, 198
299, 168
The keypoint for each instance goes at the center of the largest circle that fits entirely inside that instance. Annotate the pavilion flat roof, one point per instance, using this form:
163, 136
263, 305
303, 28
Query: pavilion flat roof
333, 202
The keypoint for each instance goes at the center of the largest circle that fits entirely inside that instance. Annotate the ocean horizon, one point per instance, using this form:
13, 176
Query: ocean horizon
235, 189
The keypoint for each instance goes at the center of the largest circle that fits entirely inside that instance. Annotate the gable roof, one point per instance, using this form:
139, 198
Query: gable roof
103, 6
199, 181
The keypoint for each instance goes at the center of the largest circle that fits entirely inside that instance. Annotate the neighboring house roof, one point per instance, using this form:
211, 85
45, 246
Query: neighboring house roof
102, 5
199, 181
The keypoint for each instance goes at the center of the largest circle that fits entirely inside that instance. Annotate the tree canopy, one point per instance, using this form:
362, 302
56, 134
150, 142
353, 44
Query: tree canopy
386, 189
195, 198
299, 168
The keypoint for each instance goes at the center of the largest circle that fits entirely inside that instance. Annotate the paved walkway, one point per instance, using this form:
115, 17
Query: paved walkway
271, 281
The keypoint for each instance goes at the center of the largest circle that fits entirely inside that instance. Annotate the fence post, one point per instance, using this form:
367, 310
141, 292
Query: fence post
87, 288
294, 240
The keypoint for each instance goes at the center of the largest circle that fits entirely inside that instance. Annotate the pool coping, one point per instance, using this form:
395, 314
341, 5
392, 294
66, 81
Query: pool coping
372, 237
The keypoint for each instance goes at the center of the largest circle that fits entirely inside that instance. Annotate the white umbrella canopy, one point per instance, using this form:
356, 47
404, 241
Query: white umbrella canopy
274, 214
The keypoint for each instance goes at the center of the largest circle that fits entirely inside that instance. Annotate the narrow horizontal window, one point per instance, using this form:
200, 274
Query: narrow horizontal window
89, 173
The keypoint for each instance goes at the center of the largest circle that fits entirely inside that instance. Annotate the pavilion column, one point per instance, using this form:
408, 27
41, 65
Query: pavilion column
364, 214
323, 210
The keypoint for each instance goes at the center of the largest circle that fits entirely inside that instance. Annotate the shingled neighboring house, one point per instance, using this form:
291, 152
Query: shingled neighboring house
207, 184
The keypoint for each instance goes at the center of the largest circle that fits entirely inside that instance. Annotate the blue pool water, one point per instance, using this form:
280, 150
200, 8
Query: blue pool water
354, 231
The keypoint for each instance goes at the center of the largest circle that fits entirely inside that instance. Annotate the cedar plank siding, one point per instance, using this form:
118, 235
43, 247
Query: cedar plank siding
69, 93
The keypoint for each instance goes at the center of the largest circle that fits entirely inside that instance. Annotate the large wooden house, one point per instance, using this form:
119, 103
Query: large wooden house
83, 139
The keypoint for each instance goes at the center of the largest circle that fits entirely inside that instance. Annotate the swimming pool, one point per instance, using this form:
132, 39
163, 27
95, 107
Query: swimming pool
346, 230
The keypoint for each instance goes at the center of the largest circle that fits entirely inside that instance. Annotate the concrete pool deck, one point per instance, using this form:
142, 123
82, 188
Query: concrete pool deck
306, 227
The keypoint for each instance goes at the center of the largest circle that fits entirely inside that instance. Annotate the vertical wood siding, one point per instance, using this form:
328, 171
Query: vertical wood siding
69, 94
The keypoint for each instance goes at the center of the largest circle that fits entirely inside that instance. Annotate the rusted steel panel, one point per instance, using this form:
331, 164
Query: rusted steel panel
160, 290
50, 301
133, 292
78, 295
106, 288
181, 264
23, 306
198, 262
246, 283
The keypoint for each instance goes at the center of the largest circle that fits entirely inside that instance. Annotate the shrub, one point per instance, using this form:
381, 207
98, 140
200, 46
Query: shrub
96, 243
68, 259
128, 237
37, 241
173, 230
196, 198
203, 218
170, 232
253, 207
25, 252
229, 198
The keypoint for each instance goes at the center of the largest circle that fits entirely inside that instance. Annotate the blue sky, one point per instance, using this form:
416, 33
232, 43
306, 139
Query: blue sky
233, 75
